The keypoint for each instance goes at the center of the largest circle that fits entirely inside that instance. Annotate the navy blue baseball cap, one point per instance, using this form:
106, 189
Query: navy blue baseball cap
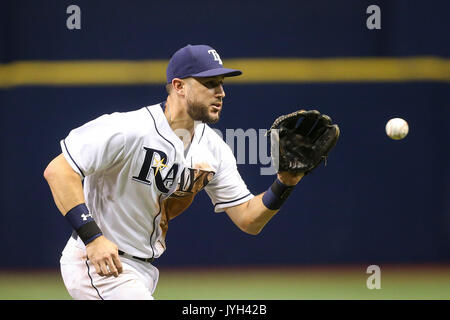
197, 61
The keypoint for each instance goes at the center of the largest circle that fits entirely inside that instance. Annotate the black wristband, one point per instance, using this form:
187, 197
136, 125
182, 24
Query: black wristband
89, 232
276, 195
82, 222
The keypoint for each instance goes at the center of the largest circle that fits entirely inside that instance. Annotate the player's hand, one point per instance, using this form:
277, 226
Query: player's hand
290, 178
104, 255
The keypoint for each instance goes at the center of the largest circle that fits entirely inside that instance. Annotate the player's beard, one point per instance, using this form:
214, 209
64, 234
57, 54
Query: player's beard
200, 112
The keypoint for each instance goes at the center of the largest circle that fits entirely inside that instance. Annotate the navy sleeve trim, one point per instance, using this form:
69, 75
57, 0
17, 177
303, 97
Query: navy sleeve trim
226, 202
71, 158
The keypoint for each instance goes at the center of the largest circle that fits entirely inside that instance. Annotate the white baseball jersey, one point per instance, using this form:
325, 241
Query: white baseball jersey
137, 176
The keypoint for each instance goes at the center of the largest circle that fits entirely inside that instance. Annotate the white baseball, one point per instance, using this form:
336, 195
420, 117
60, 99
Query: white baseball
397, 128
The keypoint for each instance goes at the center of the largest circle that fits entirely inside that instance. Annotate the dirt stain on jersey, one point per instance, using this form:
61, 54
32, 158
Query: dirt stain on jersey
192, 181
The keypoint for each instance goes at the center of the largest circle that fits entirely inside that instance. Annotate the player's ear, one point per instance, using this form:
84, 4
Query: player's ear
179, 86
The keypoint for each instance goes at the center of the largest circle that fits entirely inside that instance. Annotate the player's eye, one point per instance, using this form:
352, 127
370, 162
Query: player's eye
215, 83
211, 84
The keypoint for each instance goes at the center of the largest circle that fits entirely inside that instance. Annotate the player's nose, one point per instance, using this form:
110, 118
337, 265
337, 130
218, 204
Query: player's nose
220, 92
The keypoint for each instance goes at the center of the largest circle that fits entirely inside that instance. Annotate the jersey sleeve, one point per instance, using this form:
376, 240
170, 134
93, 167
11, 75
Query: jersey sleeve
227, 188
95, 146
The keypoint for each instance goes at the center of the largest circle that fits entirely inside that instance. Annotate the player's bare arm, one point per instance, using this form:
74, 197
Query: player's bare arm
67, 190
253, 215
65, 184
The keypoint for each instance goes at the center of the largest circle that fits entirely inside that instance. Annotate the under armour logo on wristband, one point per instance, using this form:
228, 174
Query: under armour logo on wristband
85, 216
82, 222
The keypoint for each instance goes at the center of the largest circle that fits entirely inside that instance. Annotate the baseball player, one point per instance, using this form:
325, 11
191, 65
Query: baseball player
122, 177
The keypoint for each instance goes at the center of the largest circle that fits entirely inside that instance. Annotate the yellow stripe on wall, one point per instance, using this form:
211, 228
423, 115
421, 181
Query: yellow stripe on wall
273, 70
71, 73
344, 69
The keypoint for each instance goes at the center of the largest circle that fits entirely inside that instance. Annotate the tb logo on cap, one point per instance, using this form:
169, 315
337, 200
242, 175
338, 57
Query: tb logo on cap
216, 56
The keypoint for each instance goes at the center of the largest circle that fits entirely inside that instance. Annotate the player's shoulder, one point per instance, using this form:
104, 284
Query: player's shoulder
212, 137
142, 114
135, 122
155, 114
121, 117
209, 134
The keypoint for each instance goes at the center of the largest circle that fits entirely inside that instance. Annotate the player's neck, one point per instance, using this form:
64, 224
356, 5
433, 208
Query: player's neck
178, 118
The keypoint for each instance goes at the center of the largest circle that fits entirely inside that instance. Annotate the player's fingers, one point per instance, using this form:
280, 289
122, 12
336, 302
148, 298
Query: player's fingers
104, 269
112, 268
98, 269
117, 263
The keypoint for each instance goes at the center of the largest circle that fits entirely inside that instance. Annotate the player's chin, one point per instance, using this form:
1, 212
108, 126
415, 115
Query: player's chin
214, 117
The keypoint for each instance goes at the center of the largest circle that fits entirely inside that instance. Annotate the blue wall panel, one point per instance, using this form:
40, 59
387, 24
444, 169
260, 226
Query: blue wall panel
377, 201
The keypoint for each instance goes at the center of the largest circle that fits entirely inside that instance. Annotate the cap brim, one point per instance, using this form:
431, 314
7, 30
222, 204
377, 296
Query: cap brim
218, 72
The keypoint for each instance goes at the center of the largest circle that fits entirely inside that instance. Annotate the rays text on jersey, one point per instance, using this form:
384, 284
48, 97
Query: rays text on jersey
150, 159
